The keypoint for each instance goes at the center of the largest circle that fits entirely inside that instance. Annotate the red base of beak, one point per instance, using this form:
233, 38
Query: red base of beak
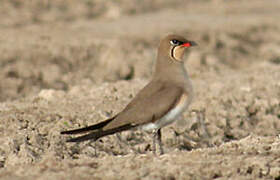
187, 44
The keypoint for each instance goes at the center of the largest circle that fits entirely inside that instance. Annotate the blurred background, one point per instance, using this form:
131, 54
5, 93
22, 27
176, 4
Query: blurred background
59, 57
58, 44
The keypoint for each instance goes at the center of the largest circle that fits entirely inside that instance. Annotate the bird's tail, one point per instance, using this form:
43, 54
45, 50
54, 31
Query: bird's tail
89, 128
98, 134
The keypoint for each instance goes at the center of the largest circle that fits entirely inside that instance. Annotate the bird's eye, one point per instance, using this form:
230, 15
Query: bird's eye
175, 42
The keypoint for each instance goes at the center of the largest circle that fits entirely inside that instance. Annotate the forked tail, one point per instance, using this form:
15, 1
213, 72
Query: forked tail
89, 128
98, 134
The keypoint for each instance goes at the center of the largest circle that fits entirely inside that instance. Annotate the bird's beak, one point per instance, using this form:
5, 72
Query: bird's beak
189, 44
193, 43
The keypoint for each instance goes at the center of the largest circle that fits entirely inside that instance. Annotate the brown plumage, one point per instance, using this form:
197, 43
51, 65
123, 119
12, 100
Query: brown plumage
158, 104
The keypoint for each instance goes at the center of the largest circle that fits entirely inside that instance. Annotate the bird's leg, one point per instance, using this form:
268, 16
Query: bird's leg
94, 145
95, 149
157, 140
120, 139
155, 134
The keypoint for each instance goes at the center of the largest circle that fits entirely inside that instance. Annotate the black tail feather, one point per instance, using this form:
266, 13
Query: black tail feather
98, 134
89, 128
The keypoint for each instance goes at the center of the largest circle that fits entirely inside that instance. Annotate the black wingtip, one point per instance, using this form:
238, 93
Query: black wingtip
68, 132
89, 128
92, 136
73, 140
69, 141
97, 134
63, 132
80, 130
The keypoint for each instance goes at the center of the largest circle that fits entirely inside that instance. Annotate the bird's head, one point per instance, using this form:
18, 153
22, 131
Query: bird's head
174, 46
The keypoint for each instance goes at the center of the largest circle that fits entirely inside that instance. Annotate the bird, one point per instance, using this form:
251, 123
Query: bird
158, 104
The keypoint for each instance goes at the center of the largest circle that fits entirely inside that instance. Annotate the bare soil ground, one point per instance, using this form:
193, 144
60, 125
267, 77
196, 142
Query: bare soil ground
67, 64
